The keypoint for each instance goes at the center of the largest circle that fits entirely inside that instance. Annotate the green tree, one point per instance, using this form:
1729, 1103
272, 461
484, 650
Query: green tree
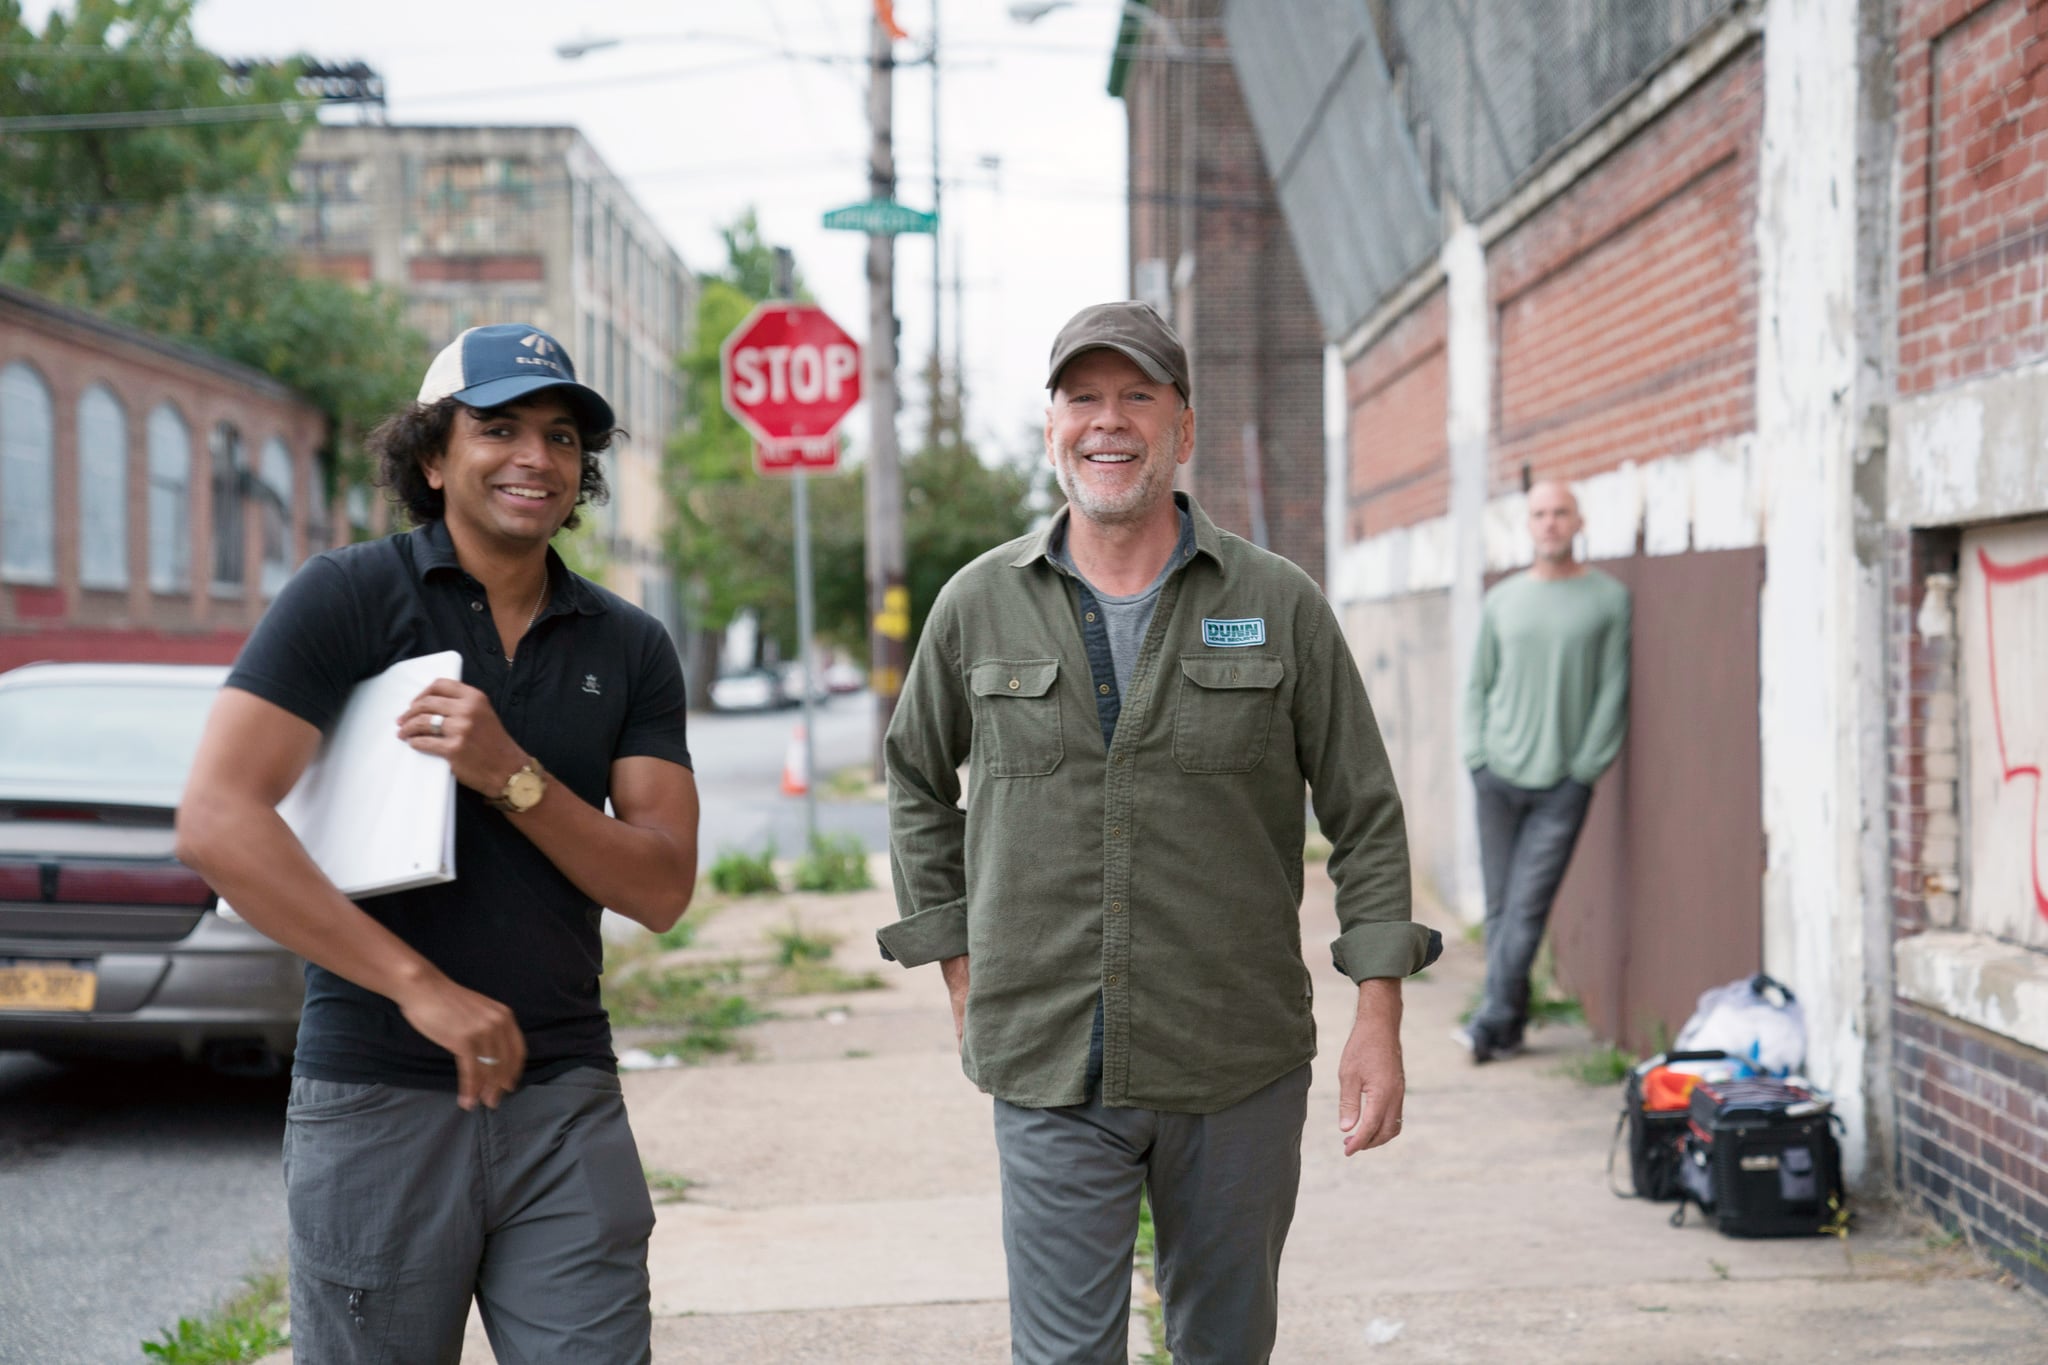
172, 227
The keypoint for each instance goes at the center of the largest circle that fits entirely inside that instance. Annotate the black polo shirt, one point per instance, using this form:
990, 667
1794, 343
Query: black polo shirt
595, 680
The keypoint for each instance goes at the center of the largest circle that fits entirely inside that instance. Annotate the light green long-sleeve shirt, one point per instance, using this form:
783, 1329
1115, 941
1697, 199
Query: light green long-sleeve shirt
1548, 696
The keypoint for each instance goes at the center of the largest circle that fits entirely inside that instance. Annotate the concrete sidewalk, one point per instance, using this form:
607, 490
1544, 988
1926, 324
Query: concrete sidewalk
847, 1206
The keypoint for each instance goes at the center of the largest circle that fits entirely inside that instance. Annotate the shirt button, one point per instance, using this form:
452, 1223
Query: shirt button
1014, 684
1104, 689
475, 605
1091, 616
1115, 907
1116, 831
1110, 980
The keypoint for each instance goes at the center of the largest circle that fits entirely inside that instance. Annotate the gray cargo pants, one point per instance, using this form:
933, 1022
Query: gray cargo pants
1222, 1188
404, 1207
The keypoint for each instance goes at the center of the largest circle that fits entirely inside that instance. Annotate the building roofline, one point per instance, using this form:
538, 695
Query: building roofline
35, 305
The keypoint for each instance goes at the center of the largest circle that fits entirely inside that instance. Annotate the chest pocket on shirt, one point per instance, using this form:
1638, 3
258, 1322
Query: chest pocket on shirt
1225, 711
1017, 716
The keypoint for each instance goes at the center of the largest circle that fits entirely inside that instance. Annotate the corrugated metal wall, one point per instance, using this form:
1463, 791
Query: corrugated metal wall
1342, 160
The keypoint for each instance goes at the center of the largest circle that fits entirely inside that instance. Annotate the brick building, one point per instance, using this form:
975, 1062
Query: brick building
153, 498
474, 224
1210, 250
1767, 281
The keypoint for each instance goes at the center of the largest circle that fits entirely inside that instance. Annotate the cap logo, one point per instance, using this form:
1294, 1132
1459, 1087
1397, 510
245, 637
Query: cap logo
538, 344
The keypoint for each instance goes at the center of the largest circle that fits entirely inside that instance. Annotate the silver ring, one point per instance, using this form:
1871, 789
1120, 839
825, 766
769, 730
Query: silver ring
434, 723
488, 1061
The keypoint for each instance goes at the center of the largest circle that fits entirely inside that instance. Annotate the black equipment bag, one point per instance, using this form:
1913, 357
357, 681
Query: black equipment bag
1655, 1136
1760, 1157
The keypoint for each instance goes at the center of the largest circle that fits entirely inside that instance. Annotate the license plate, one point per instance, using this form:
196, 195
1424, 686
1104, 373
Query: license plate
58, 987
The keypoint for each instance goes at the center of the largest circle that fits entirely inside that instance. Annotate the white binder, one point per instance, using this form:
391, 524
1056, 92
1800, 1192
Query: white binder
376, 814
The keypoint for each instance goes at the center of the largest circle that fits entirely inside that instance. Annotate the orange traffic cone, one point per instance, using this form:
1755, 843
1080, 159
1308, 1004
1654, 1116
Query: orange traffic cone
796, 774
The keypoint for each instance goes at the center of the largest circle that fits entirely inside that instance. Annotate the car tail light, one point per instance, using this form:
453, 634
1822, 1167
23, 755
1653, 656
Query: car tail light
132, 886
21, 882
76, 815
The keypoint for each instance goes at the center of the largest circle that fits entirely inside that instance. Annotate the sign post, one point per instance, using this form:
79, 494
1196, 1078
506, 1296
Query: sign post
789, 373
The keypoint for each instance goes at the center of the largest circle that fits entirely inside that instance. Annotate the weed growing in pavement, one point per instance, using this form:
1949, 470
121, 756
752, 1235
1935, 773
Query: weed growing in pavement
1315, 849
836, 862
248, 1326
667, 1186
739, 873
1720, 1268
689, 999
793, 945
1603, 1065
849, 784
1155, 1312
1946, 1239
820, 978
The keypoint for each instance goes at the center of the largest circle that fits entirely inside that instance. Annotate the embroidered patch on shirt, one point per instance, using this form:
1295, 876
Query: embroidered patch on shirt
1251, 630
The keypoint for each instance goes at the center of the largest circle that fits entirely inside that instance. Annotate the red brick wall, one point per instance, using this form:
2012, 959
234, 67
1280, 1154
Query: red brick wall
1972, 1107
68, 621
1973, 189
1397, 394
1625, 323
1973, 1135
1253, 339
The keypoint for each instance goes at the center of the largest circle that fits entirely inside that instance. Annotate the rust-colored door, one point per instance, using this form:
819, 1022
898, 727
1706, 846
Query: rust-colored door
1665, 893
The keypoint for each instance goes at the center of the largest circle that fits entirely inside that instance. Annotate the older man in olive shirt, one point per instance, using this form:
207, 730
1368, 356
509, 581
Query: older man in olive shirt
1141, 700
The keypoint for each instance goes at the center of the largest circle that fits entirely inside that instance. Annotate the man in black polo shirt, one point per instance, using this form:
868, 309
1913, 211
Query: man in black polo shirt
455, 1128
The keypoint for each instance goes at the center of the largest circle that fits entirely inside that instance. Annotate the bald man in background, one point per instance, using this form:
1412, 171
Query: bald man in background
1545, 711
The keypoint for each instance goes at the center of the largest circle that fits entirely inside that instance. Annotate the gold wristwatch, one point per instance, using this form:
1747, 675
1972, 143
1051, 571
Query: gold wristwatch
523, 790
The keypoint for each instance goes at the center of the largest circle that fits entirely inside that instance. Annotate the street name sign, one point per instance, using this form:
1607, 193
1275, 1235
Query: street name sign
881, 217
789, 373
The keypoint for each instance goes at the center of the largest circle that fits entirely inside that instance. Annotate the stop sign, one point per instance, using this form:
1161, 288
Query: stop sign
789, 372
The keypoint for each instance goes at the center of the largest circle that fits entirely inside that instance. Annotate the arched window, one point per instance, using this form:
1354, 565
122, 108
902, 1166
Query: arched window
170, 501
230, 475
274, 480
28, 478
102, 490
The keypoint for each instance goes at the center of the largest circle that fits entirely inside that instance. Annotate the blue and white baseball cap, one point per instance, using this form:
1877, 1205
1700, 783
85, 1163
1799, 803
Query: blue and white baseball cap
489, 366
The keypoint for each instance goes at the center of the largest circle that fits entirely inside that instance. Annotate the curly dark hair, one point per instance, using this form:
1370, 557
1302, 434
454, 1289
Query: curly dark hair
403, 443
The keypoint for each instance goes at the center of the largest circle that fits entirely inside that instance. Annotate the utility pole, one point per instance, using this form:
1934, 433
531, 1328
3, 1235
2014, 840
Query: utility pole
935, 400
888, 597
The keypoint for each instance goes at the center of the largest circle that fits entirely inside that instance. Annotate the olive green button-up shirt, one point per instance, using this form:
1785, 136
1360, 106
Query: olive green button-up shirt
1163, 875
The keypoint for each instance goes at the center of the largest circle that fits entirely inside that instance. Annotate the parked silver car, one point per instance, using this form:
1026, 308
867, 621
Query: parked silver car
108, 945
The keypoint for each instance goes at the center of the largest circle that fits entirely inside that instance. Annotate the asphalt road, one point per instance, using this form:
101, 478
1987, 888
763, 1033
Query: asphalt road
131, 1196
739, 760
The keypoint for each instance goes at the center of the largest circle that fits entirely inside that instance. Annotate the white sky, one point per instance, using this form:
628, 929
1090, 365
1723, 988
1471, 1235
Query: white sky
1040, 236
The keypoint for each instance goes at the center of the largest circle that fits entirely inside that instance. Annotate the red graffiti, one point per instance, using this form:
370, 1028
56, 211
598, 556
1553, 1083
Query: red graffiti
1996, 573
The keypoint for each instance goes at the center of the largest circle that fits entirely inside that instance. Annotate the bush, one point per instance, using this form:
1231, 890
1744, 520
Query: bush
836, 862
737, 873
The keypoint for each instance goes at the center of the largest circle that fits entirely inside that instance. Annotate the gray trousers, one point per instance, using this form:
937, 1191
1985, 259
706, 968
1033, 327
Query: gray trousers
1222, 1188
1525, 843
404, 1207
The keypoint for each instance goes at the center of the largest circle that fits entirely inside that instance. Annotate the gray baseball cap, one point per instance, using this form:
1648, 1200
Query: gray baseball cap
1132, 328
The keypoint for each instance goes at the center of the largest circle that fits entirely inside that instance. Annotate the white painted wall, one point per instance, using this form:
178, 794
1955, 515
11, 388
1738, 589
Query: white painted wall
1817, 694
1469, 362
